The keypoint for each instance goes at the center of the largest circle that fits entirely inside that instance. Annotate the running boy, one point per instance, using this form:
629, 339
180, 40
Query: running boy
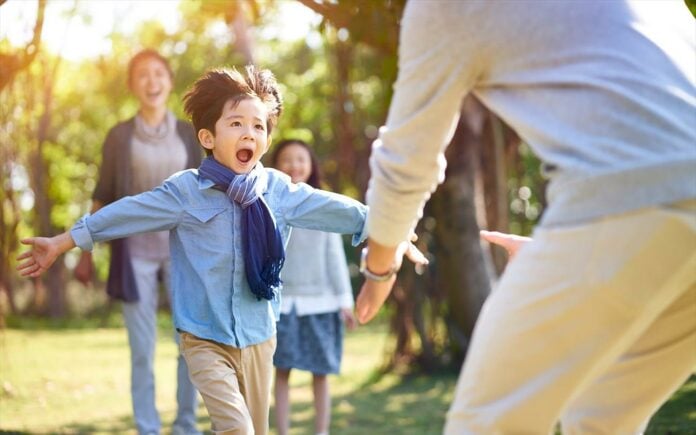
228, 223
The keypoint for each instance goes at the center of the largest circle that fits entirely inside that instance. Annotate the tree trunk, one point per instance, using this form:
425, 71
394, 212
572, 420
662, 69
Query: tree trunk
460, 259
499, 143
343, 107
54, 280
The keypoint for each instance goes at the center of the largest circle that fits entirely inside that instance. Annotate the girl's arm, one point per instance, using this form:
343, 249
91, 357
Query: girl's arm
337, 270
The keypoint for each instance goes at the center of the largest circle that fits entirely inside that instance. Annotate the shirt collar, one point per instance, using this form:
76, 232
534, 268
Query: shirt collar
204, 183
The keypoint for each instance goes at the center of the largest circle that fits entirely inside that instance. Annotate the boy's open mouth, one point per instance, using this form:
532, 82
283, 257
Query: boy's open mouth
244, 155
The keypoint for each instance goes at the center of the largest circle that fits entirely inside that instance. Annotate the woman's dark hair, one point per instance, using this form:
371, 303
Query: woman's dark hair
314, 179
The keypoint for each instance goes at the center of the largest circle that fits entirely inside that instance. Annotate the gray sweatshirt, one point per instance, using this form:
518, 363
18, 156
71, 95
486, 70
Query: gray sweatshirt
603, 91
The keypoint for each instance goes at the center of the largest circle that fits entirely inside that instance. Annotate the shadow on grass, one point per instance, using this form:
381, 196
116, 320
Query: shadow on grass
417, 405
409, 405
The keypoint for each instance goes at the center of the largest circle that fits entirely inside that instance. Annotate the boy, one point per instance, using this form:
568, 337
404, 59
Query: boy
228, 222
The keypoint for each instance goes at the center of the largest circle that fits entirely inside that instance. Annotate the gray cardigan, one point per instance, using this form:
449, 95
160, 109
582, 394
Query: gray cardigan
315, 264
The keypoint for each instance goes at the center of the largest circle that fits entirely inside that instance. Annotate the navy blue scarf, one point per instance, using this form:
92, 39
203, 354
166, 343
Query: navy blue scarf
263, 247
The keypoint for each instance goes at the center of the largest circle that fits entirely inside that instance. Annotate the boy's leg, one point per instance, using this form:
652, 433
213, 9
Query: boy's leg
214, 369
255, 382
661, 360
568, 306
140, 319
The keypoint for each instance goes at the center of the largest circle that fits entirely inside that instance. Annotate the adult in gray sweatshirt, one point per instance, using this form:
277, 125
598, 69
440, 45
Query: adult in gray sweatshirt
594, 322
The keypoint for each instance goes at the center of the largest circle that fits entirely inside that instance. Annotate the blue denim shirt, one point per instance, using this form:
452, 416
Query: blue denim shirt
211, 297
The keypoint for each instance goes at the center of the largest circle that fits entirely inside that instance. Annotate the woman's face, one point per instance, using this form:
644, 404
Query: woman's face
295, 161
151, 83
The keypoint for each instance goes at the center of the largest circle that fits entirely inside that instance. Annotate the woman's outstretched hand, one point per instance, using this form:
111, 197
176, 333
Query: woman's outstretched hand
510, 242
43, 253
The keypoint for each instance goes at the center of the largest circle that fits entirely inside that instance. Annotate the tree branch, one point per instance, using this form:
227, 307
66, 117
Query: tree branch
11, 64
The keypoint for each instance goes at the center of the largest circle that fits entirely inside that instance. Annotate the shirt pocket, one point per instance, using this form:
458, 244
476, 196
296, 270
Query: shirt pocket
211, 222
204, 215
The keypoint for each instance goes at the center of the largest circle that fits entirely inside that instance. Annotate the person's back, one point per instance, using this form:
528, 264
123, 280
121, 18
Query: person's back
604, 93
595, 315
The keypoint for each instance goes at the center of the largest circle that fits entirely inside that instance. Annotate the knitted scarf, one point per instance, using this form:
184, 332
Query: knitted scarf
263, 247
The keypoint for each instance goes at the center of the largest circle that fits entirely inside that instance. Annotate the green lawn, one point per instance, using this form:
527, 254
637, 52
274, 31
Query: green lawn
75, 380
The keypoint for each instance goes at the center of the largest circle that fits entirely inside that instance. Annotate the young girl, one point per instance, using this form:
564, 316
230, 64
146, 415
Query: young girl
317, 299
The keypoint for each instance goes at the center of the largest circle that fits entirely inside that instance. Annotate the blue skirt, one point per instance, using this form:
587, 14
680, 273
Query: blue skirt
313, 343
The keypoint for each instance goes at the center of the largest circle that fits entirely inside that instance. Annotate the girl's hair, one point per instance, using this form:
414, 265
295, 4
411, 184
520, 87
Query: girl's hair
147, 53
314, 179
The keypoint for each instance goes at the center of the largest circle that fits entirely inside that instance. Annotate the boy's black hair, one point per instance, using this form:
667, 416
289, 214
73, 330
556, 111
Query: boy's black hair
209, 94
147, 53
314, 179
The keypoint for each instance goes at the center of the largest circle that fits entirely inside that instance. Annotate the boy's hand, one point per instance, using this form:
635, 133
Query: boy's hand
379, 260
43, 254
510, 242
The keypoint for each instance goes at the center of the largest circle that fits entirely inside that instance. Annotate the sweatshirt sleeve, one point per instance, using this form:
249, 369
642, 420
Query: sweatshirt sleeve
436, 70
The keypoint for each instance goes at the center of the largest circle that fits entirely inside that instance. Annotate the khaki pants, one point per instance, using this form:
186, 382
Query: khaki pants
235, 383
594, 324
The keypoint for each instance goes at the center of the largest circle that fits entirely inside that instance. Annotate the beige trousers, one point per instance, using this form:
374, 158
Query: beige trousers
235, 383
593, 324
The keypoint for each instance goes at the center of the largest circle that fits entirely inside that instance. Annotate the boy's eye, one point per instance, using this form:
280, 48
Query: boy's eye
235, 124
260, 126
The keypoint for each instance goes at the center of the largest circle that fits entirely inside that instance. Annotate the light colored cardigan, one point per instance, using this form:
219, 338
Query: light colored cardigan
603, 91
315, 275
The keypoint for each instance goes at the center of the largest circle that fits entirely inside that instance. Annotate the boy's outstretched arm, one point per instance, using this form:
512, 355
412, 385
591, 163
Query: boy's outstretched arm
43, 253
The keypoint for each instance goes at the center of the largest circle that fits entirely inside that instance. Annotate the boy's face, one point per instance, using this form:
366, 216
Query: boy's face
240, 138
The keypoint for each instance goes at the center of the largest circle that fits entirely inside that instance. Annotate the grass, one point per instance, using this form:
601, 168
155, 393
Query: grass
63, 379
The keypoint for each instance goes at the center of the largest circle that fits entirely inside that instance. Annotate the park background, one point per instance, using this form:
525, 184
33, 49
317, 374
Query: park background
64, 365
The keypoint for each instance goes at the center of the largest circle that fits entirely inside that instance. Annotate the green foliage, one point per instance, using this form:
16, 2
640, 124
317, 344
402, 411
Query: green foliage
691, 4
